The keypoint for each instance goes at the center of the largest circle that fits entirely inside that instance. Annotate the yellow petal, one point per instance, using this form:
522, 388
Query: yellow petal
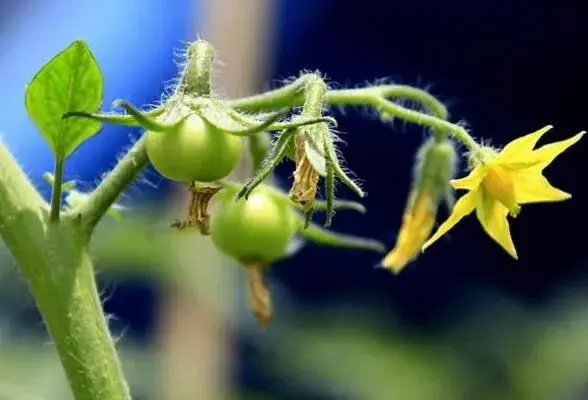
464, 206
416, 227
523, 145
532, 187
498, 183
470, 182
492, 215
546, 154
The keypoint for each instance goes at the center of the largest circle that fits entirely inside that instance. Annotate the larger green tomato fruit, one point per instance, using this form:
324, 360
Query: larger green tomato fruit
194, 151
258, 229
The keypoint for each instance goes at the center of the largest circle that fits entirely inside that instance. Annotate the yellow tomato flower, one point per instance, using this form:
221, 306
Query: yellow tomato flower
500, 182
434, 169
417, 224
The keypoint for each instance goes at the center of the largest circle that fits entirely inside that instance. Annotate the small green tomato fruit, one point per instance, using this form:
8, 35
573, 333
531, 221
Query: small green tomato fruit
258, 229
194, 151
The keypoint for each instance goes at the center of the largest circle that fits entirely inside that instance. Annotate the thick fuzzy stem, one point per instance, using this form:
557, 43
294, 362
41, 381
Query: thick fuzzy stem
53, 259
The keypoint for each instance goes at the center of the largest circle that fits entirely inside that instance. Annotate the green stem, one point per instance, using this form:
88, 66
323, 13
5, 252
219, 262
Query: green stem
102, 198
293, 95
375, 96
365, 95
53, 260
68, 300
418, 118
314, 97
196, 77
324, 237
288, 95
56, 191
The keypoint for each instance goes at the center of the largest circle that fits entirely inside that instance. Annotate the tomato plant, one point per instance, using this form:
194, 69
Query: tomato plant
195, 150
194, 137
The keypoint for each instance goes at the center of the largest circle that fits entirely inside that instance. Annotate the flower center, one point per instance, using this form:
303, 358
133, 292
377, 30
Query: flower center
500, 186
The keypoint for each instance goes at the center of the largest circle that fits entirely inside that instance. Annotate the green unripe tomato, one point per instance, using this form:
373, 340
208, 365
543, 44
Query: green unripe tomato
258, 229
194, 151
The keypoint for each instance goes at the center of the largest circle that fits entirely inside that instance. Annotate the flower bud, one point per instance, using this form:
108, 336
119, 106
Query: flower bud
435, 167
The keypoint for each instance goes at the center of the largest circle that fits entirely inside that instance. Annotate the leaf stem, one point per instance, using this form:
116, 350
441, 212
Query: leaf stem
56, 190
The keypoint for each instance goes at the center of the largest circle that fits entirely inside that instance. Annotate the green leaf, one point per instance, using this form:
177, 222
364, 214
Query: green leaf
70, 81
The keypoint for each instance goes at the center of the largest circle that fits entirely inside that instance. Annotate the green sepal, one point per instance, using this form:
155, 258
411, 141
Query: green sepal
218, 114
333, 158
314, 145
279, 126
322, 154
274, 157
114, 118
330, 193
143, 119
259, 147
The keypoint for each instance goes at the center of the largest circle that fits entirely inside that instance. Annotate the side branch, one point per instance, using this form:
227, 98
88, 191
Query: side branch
117, 180
380, 97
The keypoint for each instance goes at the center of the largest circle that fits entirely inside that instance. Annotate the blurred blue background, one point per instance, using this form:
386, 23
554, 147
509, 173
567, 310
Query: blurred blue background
506, 67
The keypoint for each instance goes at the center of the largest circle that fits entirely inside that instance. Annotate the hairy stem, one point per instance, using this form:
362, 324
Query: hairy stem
285, 96
365, 95
418, 118
376, 96
123, 174
56, 190
314, 97
53, 259
293, 95
196, 77
67, 298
